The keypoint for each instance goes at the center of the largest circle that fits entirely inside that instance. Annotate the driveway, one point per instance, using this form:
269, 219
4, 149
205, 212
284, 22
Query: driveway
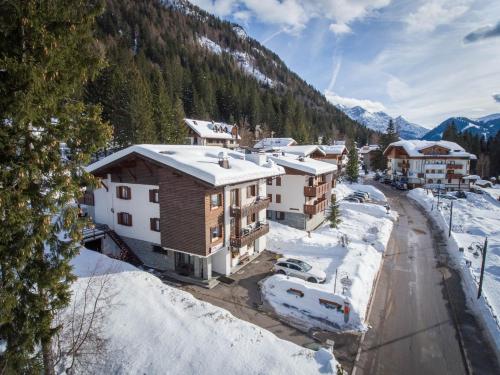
243, 299
420, 324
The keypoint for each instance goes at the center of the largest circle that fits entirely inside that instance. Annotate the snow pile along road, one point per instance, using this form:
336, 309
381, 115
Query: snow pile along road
153, 328
474, 218
350, 270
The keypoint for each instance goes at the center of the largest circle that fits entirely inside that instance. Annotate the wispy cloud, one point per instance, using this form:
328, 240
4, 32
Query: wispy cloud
483, 33
496, 97
370, 105
433, 13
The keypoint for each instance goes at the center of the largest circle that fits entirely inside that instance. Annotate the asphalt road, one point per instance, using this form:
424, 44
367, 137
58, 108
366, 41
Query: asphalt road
418, 309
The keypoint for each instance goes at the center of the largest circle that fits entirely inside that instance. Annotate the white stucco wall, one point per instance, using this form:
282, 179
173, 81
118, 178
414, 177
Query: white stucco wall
292, 194
139, 207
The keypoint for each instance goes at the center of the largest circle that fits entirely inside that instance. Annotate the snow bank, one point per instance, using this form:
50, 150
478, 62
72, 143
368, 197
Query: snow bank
156, 329
345, 189
350, 270
474, 218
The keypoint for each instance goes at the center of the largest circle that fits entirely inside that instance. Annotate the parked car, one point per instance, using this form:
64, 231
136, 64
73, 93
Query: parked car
377, 177
387, 180
352, 198
362, 193
401, 185
298, 268
448, 196
360, 196
461, 194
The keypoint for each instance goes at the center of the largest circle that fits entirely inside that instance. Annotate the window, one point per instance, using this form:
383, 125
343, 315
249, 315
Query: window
280, 215
431, 180
438, 181
449, 180
154, 224
251, 218
278, 198
278, 181
216, 233
215, 200
269, 215
159, 250
124, 218
270, 197
123, 192
294, 267
154, 195
251, 191
269, 181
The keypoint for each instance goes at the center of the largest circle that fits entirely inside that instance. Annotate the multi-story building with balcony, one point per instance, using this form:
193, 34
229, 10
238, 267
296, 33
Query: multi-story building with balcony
210, 133
440, 164
193, 211
300, 197
335, 154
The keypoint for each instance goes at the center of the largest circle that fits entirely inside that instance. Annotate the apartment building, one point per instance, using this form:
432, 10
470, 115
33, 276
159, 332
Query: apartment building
367, 154
301, 196
429, 163
210, 133
335, 154
194, 211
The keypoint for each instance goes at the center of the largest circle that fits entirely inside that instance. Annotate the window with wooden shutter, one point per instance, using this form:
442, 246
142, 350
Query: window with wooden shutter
278, 198
124, 218
270, 197
278, 181
123, 192
269, 181
251, 191
154, 224
154, 195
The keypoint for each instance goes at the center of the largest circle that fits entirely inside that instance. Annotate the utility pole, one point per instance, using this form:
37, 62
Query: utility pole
482, 268
451, 218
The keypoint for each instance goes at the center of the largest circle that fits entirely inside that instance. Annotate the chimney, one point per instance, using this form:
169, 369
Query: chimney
223, 160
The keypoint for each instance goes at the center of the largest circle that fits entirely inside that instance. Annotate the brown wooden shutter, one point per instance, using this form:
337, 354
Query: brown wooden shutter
129, 192
278, 181
152, 222
129, 220
120, 218
278, 198
118, 192
270, 197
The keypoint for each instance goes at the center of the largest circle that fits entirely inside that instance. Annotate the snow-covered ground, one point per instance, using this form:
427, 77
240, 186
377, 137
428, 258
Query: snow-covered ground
350, 270
493, 191
153, 328
474, 218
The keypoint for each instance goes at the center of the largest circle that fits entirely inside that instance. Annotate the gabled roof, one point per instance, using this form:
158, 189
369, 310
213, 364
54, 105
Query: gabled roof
414, 148
211, 129
275, 142
300, 150
334, 149
201, 162
368, 148
304, 164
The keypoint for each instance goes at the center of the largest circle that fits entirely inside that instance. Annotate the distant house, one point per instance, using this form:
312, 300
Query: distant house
312, 151
272, 143
210, 133
429, 163
301, 196
188, 210
367, 154
335, 154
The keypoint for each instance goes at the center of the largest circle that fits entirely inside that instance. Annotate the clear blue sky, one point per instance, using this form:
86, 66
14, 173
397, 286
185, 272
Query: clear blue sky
424, 59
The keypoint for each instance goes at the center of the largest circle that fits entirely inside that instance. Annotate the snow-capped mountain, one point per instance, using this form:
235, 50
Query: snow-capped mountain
487, 126
379, 120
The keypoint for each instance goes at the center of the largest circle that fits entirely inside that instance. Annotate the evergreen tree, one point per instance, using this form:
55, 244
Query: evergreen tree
179, 132
334, 216
352, 167
48, 54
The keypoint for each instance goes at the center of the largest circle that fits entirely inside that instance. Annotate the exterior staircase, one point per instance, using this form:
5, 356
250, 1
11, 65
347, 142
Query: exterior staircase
126, 253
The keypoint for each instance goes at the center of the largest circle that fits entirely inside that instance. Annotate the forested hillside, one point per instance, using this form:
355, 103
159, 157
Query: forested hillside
169, 59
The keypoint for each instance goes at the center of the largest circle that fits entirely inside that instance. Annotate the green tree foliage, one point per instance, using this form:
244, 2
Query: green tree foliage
334, 216
48, 53
153, 47
352, 167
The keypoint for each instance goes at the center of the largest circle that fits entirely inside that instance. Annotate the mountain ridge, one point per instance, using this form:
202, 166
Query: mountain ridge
486, 126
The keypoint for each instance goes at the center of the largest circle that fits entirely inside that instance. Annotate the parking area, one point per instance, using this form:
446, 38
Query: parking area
242, 298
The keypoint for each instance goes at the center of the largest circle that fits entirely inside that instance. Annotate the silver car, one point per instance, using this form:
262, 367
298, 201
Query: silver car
298, 268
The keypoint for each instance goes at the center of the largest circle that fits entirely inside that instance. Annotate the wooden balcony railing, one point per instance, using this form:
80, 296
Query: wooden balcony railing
319, 206
453, 166
248, 237
258, 205
317, 191
454, 175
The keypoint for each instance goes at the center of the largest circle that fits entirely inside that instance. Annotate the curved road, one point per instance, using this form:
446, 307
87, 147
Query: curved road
414, 326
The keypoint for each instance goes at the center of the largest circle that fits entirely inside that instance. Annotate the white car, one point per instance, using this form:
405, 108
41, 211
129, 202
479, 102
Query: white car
298, 268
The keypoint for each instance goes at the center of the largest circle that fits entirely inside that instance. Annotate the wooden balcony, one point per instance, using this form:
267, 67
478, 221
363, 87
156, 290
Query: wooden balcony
317, 191
258, 205
319, 206
250, 236
454, 175
453, 166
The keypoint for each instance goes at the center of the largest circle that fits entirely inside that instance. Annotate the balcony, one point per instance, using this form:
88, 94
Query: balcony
454, 175
258, 205
319, 206
454, 166
317, 191
249, 236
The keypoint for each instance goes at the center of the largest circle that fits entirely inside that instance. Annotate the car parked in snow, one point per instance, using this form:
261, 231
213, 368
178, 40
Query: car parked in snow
298, 268
362, 193
352, 198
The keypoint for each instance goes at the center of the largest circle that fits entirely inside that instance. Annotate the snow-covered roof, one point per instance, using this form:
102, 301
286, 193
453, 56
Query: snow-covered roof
211, 129
414, 147
201, 162
367, 148
334, 149
300, 150
275, 142
304, 164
